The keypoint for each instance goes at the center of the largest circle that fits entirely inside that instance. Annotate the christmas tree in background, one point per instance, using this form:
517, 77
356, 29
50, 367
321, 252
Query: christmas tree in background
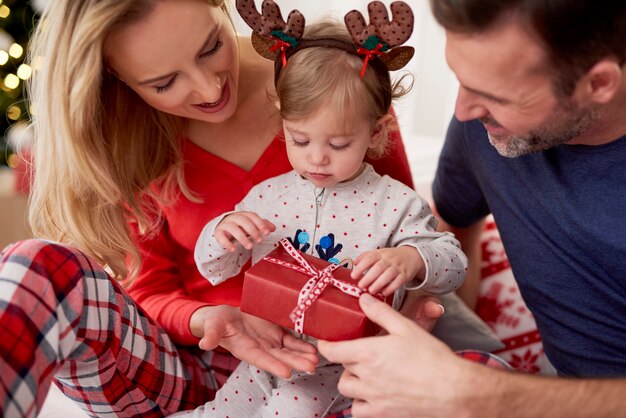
17, 20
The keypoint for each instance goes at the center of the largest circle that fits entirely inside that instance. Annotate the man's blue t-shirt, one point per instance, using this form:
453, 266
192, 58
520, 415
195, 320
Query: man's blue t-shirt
561, 214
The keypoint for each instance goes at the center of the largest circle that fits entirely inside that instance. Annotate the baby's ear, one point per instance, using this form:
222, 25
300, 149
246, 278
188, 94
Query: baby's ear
277, 104
380, 130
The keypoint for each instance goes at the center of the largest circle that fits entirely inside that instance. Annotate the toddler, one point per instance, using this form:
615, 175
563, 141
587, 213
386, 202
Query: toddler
334, 94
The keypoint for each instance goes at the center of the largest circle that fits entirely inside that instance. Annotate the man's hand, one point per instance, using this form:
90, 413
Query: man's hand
402, 374
257, 341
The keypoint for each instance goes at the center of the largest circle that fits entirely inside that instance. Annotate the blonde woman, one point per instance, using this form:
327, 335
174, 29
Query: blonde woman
151, 117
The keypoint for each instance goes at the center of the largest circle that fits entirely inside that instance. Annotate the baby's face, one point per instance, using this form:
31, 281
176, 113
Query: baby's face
327, 149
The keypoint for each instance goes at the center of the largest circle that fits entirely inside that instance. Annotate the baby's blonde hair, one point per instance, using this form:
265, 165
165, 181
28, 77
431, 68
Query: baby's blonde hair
318, 77
99, 148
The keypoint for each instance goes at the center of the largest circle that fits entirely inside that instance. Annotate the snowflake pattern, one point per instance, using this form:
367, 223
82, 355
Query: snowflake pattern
526, 362
493, 311
501, 306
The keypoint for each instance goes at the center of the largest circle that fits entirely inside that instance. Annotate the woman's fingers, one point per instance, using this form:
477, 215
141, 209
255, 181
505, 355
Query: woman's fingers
295, 360
263, 359
293, 343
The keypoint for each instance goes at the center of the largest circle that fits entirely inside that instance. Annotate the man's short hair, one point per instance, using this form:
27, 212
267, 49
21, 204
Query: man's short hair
576, 34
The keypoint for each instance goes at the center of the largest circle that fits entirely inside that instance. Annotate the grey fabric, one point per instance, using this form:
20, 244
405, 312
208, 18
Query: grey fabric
461, 329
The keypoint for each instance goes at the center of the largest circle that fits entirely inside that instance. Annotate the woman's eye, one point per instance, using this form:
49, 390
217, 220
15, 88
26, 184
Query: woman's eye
165, 87
217, 47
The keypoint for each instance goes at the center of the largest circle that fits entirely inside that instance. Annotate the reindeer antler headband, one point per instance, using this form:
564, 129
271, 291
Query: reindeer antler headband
276, 39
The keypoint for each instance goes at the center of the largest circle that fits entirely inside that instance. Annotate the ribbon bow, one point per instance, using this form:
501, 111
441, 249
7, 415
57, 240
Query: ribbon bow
369, 54
282, 45
313, 288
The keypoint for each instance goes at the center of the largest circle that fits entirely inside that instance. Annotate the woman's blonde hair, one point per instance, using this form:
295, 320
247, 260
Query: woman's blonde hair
318, 77
102, 156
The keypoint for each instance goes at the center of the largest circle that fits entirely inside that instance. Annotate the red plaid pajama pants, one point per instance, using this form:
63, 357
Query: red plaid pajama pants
64, 320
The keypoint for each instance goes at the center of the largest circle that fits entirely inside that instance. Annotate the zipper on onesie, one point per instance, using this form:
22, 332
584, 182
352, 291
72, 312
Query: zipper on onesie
319, 195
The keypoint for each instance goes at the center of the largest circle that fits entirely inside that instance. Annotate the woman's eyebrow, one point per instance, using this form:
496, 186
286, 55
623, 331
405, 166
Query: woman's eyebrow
155, 79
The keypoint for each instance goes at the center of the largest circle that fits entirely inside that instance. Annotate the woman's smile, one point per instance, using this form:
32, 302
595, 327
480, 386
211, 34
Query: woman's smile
217, 105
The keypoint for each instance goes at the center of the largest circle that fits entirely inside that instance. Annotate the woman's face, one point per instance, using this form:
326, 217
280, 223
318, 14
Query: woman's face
181, 59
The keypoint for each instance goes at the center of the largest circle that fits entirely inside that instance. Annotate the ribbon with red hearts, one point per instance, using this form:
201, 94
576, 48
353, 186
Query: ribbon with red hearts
313, 288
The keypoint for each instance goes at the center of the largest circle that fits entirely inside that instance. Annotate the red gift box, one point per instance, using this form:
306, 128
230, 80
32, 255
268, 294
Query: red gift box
273, 285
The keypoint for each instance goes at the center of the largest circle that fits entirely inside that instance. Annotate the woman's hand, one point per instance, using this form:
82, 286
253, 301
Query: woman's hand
422, 308
255, 340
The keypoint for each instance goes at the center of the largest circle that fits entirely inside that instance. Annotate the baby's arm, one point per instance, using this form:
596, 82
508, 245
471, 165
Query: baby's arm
417, 256
439, 252
217, 254
387, 269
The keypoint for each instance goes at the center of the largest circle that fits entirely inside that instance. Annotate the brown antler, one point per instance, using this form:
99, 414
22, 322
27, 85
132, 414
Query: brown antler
393, 33
360, 31
270, 18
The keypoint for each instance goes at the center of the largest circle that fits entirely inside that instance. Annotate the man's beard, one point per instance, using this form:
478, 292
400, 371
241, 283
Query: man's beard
567, 122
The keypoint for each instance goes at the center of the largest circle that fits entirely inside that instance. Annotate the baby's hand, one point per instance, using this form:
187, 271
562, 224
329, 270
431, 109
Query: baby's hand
387, 269
244, 228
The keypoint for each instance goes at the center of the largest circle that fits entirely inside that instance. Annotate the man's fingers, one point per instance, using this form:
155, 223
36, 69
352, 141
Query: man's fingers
348, 384
362, 409
344, 352
352, 386
382, 314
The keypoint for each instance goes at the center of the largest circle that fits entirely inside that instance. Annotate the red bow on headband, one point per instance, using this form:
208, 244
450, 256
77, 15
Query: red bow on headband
369, 54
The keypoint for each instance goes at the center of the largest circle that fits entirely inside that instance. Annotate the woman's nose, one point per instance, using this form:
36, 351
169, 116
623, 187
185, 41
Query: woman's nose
208, 87
469, 106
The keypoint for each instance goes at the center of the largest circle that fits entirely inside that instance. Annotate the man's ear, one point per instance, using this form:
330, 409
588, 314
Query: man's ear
380, 130
601, 83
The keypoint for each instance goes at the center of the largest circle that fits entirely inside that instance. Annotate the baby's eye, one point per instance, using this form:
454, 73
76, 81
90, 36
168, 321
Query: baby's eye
340, 147
299, 142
